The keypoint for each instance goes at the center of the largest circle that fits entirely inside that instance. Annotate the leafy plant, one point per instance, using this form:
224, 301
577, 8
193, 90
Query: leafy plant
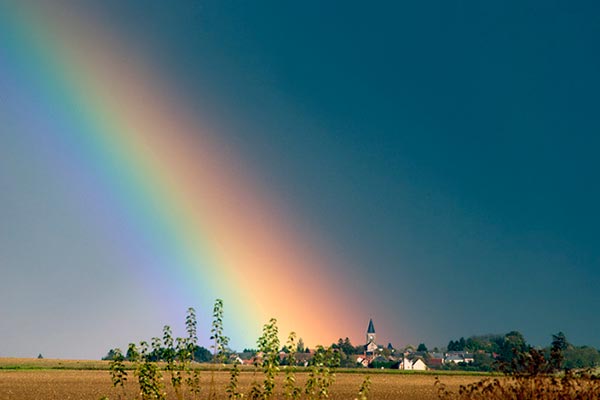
268, 345
118, 375
193, 383
186, 351
232, 389
149, 376
365, 387
169, 356
290, 390
322, 375
220, 342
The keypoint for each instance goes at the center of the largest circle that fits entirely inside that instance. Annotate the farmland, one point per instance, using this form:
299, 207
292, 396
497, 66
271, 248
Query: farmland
60, 379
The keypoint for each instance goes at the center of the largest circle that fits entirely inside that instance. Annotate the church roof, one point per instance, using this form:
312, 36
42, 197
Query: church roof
371, 328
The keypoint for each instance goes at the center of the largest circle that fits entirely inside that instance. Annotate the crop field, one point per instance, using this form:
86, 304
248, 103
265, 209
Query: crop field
45, 380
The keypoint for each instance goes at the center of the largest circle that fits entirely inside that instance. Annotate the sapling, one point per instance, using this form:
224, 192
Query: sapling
321, 375
118, 374
268, 344
290, 390
190, 343
220, 342
232, 388
149, 376
365, 387
168, 355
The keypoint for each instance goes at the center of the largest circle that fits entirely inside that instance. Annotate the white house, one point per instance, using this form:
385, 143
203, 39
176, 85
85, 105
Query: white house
362, 360
413, 365
419, 365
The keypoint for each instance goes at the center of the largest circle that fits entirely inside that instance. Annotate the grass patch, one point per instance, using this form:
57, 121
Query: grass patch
364, 371
44, 364
26, 364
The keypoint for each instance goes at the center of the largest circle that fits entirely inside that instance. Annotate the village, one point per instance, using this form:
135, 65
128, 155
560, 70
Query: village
488, 352
374, 355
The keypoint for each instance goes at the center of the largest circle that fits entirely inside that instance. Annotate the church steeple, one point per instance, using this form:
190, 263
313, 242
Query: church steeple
371, 346
371, 328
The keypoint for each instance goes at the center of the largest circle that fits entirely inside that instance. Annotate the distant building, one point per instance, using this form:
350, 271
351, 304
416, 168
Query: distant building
235, 358
435, 362
419, 365
373, 352
415, 364
362, 360
371, 345
459, 357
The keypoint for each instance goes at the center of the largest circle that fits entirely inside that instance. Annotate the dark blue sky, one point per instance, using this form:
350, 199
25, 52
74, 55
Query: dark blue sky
448, 149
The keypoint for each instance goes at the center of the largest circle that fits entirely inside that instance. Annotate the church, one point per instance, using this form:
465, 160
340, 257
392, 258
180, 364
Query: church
371, 345
403, 361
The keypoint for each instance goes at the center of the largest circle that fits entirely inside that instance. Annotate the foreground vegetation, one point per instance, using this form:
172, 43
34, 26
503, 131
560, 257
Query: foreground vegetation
184, 379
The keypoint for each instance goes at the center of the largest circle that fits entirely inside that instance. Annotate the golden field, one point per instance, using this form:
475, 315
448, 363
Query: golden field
22, 379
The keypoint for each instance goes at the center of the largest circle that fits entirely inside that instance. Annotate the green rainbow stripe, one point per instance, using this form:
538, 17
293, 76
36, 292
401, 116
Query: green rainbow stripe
194, 217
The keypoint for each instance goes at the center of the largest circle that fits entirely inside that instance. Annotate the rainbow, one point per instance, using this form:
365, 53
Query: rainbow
183, 205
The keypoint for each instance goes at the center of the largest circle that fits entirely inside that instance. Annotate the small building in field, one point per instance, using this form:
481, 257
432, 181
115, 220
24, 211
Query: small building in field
416, 364
419, 365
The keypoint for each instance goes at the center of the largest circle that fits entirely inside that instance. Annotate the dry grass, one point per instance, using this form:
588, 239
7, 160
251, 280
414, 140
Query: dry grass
542, 387
397, 386
53, 384
89, 384
49, 363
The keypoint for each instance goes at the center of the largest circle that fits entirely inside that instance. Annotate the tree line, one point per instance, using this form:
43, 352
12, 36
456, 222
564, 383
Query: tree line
498, 352
200, 354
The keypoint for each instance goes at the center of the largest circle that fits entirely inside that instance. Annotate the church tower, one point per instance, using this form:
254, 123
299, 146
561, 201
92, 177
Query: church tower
371, 331
371, 346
